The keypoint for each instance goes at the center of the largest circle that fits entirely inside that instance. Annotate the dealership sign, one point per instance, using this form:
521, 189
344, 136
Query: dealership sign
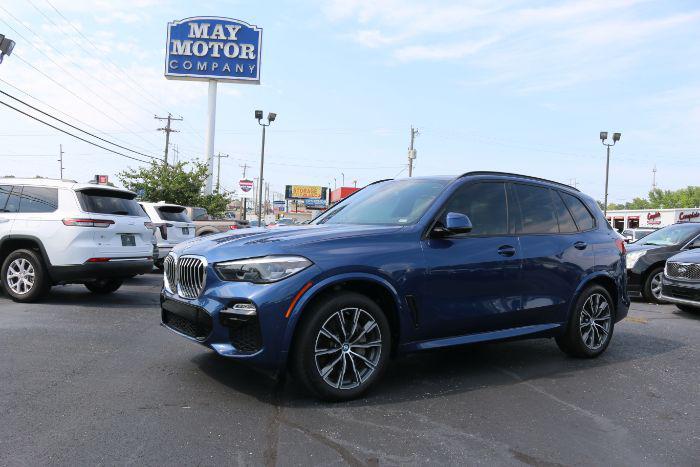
208, 47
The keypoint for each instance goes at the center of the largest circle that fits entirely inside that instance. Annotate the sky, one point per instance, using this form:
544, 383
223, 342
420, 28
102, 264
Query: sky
517, 86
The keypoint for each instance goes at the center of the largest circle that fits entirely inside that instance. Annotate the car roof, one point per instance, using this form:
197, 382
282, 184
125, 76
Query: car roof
500, 175
60, 183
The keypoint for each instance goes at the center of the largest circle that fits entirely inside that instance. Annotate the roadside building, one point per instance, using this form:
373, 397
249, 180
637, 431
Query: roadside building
651, 218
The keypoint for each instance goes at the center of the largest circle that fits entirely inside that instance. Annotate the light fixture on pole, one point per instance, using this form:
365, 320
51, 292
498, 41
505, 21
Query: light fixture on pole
603, 139
6, 46
270, 118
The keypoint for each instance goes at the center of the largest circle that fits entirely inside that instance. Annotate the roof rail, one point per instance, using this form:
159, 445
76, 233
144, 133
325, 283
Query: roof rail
508, 174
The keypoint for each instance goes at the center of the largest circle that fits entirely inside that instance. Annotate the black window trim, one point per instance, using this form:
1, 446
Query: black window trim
443, 211
595, 220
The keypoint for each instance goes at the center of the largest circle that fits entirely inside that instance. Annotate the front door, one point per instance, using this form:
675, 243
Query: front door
473, 280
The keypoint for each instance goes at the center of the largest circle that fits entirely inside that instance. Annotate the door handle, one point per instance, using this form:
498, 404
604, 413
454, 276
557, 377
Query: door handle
580, 245
506, 250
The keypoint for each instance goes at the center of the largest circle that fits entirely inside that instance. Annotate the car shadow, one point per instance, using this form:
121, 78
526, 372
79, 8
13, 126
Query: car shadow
443, 372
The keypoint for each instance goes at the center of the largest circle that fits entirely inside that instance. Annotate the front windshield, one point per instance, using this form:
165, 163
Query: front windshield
668, 236
396, 202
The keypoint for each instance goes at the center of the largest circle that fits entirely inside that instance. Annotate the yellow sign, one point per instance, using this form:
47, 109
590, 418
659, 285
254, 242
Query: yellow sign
306, 191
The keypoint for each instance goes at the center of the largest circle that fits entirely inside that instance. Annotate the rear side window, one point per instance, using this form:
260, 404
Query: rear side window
566, 222
38, 199
5, 191
582, 216
537, 210
486, 206
12, 204
109, 202
173, 214
200, 214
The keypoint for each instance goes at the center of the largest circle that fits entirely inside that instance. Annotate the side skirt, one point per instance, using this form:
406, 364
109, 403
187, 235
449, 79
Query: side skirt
529, 331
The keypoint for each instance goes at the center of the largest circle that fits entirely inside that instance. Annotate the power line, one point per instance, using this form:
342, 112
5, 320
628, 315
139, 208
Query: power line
18, 57
135, 84
71, 134
74, 127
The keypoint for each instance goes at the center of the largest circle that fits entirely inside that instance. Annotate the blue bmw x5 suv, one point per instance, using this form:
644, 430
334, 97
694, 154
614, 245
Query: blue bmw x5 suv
402, 266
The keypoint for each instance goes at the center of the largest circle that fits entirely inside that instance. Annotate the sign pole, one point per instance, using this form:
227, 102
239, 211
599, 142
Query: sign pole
211, 130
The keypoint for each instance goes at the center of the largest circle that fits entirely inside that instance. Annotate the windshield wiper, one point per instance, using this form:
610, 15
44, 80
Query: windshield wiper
330, 215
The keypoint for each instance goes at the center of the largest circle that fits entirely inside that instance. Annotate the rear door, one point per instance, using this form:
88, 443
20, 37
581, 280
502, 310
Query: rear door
556, 254
8, 211
127, 236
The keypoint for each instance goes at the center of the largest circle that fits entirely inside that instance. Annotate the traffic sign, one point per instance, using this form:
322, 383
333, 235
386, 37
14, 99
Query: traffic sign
246, 185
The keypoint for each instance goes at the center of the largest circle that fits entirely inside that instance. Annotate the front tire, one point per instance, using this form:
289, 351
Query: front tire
652, 286
591, 325
342, 348
24, 276
104, 286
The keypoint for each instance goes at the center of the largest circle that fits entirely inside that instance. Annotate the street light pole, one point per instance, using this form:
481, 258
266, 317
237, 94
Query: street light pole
270, 118
603, 139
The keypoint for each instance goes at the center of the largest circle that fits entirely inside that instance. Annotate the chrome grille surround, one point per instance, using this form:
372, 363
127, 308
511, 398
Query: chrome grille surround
191, 275
684, 271
170, 272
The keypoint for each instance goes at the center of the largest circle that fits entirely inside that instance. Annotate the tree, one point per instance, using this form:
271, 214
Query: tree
688, 197
174, 184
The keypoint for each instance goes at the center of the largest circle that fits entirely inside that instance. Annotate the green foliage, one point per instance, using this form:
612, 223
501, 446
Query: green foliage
175, 184
688, 197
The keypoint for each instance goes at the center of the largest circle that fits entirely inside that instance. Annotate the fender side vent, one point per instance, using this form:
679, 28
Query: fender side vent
413, 308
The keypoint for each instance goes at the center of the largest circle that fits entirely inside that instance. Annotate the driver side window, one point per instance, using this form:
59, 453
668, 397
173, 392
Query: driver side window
485, 204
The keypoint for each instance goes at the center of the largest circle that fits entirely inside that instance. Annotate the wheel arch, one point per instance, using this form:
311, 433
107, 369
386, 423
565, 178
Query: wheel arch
375, 287
18, 242
602, 279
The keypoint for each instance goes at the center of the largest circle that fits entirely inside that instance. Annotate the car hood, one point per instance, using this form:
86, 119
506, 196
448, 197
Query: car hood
639, 247
688, 256
253, 242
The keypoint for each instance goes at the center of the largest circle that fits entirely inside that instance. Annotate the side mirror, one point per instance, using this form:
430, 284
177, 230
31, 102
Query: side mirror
457, 223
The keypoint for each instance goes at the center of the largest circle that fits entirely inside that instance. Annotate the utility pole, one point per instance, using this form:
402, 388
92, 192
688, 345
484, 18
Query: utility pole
412, 151
60, 159
218, 171
271, 116
176, 150
653, 183
167, 129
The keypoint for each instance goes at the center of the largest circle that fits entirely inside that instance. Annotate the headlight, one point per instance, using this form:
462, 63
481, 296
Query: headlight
262, 270
633, 257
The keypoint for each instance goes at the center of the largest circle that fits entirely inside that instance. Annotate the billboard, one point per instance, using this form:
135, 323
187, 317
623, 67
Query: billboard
315, 204
305, 192
210, 47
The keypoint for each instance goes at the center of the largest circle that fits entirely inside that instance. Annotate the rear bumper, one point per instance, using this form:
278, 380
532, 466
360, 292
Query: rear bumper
108, 270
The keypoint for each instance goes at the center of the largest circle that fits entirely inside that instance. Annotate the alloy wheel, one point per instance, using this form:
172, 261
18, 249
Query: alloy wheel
348, 348
595, 321
20, 276
656, 285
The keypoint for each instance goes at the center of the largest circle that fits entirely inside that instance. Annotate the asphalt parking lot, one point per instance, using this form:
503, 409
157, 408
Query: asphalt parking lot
93, 380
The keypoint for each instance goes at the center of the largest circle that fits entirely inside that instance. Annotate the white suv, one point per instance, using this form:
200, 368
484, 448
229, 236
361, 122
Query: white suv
173, 226
59, 232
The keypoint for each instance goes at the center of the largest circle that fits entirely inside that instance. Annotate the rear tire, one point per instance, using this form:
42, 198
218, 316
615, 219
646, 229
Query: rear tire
342, 347
160, 264
104, 286
24, 276
590, 326
652, 286
689, 309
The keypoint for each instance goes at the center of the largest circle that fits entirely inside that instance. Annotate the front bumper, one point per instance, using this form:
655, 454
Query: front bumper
680, 292
261, 339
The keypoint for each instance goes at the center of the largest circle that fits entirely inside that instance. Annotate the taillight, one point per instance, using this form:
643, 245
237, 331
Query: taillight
232, 227
149, 225
621, 246
102, 223
163, 231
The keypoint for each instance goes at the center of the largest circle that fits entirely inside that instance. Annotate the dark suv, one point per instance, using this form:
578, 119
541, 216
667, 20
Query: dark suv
402, 266
646, 258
